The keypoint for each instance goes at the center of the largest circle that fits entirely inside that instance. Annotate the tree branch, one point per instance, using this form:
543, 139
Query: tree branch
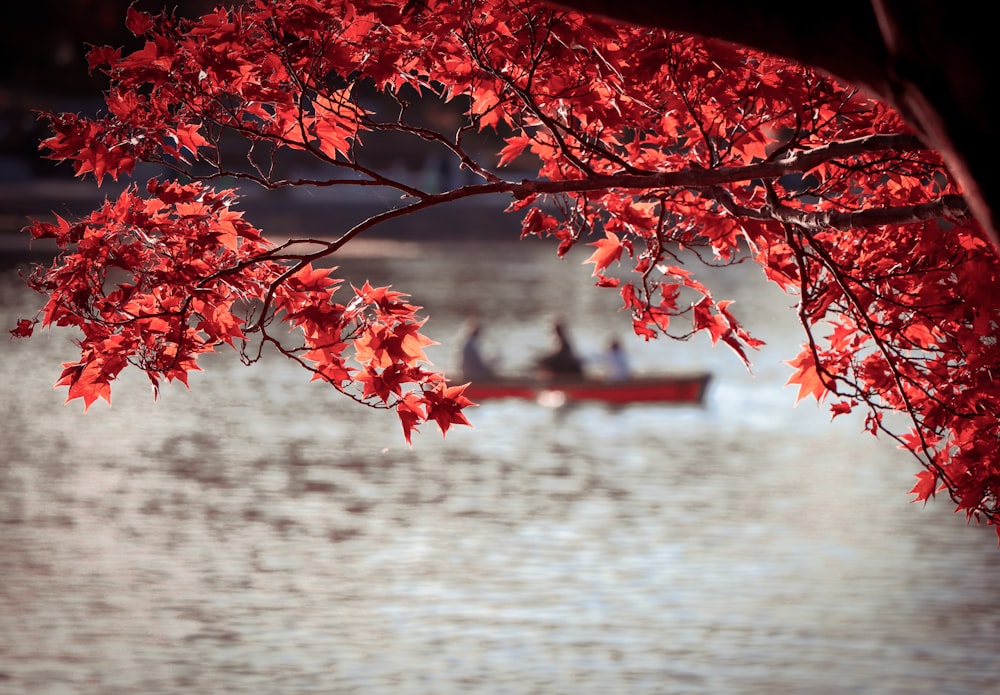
952, 207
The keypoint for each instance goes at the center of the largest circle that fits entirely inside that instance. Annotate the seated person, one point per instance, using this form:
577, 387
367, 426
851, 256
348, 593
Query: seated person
563, 362
614, 363
474, 366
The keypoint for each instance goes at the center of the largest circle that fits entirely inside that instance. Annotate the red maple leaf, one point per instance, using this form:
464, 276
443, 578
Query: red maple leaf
411, 412
24, 328
806, 376
927, 485
444, 405
609, 250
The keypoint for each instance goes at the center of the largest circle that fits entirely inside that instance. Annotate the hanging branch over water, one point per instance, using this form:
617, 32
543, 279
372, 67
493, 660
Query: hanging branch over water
653, 147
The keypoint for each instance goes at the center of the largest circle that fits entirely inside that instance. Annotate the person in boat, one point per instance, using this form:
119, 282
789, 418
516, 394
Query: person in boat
614, 363
474, 366
563, 362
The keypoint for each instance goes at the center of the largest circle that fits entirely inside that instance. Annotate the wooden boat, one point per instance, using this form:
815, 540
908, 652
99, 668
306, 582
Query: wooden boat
667, 388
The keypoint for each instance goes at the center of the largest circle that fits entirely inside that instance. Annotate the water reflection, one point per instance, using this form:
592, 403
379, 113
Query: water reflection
258, 534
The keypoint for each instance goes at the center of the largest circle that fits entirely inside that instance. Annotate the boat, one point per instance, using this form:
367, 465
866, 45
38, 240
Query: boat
686, 388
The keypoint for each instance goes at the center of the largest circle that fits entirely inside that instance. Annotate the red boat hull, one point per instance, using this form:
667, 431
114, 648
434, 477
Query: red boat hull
675, 388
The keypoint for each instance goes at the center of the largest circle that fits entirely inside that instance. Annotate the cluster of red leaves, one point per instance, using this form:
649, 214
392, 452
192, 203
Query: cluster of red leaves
158, 281
669, 147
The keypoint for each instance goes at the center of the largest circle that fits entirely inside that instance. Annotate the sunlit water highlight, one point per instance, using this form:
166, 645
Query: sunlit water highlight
260, 534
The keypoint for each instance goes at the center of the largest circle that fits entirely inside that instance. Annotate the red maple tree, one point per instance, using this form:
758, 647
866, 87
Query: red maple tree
651, 145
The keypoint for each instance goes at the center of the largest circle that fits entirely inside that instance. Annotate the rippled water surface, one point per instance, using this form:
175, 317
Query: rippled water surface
260, 534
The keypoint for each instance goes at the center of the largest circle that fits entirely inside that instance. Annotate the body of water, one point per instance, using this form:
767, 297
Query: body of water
261, 534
